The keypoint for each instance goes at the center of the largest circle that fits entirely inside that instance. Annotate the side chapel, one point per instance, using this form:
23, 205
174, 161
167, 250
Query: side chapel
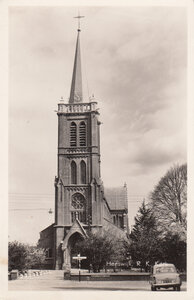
82, 204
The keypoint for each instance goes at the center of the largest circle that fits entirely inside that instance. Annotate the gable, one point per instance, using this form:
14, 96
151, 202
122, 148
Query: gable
116, 198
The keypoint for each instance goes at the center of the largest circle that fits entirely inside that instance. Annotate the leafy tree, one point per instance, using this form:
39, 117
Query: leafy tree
36, 257
23, 257
17, 255
174, 250
169, 199
169, 206
99, 248
145, 238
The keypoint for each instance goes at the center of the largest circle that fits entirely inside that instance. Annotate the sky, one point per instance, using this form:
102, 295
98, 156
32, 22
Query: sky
134, 61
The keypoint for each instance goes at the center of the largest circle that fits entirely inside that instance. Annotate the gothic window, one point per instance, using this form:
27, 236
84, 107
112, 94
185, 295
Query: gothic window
73, 135
78, 201
83, 172
78, 210
82, 134
81, 216
73, 173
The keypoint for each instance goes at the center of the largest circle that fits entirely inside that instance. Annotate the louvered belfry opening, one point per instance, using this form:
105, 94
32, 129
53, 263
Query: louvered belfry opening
82, 134
73, 135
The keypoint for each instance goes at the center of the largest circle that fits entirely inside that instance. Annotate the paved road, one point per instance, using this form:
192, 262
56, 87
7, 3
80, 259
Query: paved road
54, 282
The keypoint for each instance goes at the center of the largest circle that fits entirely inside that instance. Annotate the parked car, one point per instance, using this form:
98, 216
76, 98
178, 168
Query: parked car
165, 276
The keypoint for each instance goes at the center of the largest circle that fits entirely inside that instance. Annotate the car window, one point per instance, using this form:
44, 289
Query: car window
165, 270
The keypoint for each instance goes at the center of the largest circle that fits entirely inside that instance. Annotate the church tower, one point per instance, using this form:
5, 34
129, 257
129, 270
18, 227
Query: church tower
81, 205
77, 185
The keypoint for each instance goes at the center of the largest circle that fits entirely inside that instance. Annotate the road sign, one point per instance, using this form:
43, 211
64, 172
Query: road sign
79, 258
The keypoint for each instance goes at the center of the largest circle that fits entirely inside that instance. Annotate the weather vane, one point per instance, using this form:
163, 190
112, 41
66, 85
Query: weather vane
79, 17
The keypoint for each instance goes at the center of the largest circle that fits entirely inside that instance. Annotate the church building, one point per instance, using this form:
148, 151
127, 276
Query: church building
82, 204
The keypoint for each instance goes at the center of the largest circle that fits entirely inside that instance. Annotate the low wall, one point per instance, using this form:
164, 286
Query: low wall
116, 277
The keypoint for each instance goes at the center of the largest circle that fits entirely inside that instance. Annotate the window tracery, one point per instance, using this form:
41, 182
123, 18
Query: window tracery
78, 205
78, 201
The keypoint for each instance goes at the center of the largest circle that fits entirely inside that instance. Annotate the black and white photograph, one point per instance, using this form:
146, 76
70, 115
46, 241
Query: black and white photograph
98, 148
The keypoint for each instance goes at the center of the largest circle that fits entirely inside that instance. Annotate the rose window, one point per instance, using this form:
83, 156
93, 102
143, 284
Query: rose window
78, 201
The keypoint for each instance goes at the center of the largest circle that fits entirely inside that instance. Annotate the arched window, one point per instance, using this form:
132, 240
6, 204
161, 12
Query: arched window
82, 134
73, 173
73, 135
78, 208
83, 172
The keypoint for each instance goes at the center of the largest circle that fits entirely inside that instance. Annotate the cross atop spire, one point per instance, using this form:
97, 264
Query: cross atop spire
79, 17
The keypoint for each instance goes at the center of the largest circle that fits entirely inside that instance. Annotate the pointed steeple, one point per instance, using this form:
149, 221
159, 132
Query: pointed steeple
76, 84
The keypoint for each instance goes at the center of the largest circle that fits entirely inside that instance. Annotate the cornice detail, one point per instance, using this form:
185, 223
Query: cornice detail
76, 189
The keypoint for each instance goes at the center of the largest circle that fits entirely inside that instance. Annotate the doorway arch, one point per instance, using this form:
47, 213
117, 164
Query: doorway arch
75, 234
73, 240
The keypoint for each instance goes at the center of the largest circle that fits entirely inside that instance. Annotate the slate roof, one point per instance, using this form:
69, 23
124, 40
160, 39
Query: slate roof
116, 197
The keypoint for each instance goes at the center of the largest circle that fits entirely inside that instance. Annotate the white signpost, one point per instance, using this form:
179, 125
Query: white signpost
79, 258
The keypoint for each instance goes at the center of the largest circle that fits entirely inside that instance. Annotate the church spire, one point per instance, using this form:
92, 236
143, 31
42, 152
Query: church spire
76, 95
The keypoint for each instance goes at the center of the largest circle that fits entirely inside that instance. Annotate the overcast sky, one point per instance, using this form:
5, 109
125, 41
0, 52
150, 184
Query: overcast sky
134, 61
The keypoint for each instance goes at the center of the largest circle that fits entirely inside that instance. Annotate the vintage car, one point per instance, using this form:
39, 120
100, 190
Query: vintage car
165, 276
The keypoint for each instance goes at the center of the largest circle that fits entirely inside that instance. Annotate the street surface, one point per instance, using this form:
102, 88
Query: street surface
54, 281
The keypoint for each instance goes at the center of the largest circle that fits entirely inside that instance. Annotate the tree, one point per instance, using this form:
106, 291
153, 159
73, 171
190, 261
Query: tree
35, 257
17, 255
169, 206
169, 200
99, 248
174, 250
146, 244
23, 257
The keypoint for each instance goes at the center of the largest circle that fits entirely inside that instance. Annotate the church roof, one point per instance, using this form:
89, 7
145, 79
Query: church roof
116, 197
76, 84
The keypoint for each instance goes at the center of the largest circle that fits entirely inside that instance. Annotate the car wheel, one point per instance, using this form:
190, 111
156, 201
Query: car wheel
174, 288
153, 288
178, 288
